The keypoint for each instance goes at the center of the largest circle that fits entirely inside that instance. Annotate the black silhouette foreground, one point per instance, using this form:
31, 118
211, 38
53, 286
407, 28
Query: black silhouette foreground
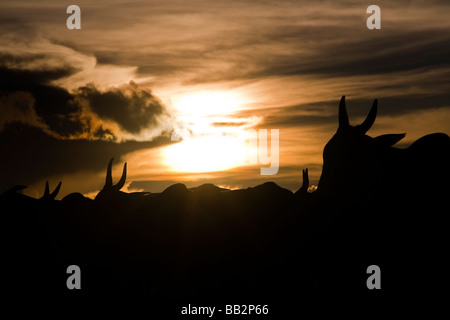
375, 205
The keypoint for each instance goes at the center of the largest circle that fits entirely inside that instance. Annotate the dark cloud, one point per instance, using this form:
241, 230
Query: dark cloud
13, 66
116, 114
49, 103
18, 107
132, 107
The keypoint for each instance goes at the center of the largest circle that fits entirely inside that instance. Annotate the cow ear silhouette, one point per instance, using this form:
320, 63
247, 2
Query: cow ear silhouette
343, 116
390, 139
14, 189
368, 122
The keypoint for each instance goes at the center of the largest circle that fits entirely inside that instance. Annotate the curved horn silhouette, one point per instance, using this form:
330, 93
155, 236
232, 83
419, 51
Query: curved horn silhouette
122, 180
368, 122
46, 191
305, 184
109, 181
343, 117
56, 191
51, 196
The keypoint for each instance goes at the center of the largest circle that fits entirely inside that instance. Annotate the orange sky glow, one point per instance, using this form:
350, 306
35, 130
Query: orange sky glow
214, 71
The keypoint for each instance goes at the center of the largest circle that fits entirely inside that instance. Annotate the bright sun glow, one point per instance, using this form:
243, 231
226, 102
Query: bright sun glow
203, 154
208, 103
209, 147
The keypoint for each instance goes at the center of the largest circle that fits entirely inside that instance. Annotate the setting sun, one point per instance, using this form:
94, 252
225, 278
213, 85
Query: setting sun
208, 147
204, 154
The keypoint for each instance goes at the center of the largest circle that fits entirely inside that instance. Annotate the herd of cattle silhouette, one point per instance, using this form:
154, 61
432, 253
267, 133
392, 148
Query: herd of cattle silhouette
375, 205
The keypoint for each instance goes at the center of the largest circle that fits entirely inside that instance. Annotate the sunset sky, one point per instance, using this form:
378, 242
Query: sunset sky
139, 71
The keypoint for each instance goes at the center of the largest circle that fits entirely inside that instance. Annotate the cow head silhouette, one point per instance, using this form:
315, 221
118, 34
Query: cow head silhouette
109, 190
353, 162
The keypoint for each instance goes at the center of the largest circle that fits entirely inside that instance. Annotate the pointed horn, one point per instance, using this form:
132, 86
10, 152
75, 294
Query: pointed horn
365, 126
47, 190
56, 191
305, 185
122, 180
343, 117
305, 179
108, 181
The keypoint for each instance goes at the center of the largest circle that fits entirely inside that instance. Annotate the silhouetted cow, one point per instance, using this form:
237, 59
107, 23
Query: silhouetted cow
383, 205
356, 166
